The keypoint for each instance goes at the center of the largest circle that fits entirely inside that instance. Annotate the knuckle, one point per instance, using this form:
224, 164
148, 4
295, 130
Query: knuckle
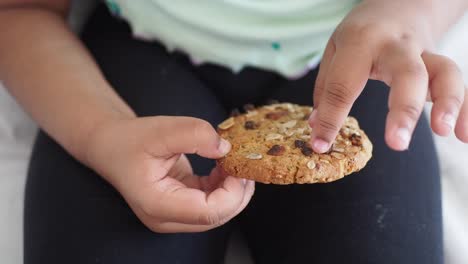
327, 126
202, 127
203, 131
369, 31
339, 95
411, 110
358, 33
210, 218
416, 69
455, 101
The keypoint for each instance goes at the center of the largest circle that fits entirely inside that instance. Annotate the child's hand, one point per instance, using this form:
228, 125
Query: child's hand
143, 159
388, 41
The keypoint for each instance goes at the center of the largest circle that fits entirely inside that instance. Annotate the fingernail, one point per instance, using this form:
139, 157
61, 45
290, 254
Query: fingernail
224, 146
320, 145
403, 134
449, 119
244, 182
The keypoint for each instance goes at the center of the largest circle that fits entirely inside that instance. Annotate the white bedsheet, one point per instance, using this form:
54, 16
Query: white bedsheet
17, 130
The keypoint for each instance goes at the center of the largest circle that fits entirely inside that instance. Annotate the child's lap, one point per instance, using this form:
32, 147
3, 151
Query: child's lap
389, 212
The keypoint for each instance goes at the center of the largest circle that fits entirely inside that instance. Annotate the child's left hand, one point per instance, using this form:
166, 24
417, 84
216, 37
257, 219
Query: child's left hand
390, 41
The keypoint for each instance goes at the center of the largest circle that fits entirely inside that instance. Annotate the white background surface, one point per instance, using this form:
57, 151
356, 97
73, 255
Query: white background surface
17, 131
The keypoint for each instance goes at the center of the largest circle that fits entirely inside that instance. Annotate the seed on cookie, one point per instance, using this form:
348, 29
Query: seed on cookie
289, 133
288, 106
345, 132
250, 125
254, 156
300, 130
298, 116
276, 150
311, 164
306, 137
251, 113
289, 124
249, 107
276, 115
346, 142
356, 139
273, 136
325, 161
226, 123
338, 148
338, 155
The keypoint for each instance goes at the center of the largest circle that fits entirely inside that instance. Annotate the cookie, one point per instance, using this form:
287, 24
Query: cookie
270, 144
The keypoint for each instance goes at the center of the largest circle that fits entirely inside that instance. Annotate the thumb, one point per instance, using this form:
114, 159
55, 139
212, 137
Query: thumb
188, 135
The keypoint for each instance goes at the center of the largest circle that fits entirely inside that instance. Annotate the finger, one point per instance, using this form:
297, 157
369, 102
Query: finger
182, 171
175, 135
461, 129
174, 202
347, 74
323, 70
409, 85
171, 227
447, 92
214, 181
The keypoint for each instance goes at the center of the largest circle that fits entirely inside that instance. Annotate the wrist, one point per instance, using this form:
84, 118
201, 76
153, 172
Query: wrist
90, 138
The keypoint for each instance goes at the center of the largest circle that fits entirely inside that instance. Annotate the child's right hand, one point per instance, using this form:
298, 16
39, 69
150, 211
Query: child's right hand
143, 158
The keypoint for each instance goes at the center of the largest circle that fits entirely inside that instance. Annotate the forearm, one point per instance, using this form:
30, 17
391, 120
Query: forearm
49, 72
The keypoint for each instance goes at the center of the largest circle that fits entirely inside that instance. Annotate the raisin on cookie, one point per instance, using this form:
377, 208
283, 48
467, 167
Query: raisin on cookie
270, 144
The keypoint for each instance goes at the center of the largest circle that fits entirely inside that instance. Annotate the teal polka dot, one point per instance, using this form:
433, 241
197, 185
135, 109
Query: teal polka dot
113, 7
276, 45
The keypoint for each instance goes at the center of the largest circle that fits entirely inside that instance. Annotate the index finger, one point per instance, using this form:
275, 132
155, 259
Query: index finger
346, 78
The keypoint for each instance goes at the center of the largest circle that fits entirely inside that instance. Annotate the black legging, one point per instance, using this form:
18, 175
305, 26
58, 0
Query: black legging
388, 213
